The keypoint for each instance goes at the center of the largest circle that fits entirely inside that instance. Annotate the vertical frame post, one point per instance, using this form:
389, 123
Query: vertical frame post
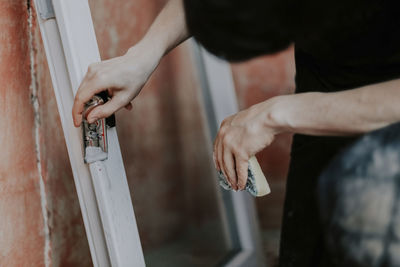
103, 192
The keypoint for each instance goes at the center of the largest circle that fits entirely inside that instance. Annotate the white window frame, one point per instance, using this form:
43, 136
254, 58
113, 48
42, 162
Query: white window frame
70, 45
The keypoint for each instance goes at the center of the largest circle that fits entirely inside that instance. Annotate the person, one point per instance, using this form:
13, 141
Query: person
347, 84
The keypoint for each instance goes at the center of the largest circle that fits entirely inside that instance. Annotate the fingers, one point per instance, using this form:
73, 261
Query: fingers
230, 154
242, 166
92, 84
229, 168
224, 160
110, 92
129, 106
215, 154
219, 156
106, 110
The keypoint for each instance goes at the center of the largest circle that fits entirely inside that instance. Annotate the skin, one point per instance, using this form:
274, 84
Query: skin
126, 75
241, 135
344, 113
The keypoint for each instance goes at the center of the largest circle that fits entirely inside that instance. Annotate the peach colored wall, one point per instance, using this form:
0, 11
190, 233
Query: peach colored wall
21, 223
40, 217
164, 141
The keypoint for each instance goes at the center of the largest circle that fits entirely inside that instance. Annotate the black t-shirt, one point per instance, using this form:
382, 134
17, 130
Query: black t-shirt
355, 53
341, 58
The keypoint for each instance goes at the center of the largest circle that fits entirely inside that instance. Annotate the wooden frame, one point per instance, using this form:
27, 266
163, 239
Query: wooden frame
102, 188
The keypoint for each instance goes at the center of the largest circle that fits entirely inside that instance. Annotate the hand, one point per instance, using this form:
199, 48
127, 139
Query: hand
241, 136
123, 77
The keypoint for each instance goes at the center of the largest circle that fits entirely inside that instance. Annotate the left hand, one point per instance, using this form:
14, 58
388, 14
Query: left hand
241, 136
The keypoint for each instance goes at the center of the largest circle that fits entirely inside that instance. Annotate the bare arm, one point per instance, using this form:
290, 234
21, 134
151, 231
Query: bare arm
168, 29
126, 75
340, 113
348, 112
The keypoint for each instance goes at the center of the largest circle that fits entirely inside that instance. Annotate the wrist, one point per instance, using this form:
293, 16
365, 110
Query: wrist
277, 114
154, 51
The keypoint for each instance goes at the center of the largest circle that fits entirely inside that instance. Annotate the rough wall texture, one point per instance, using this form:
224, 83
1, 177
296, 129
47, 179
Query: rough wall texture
40, 220
164, 141
22, 237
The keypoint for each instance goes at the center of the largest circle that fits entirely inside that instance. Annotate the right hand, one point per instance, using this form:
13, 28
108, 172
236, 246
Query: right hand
122, 76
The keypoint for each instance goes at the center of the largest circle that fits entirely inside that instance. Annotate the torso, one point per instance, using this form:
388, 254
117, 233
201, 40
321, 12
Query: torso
352, 55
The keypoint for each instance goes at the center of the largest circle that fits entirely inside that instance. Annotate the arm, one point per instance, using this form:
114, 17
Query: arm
348, 112
125, 76
168, 29
340, 113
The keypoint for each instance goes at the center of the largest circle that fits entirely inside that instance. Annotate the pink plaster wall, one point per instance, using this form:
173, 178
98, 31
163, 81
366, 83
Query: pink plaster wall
31, 137
21, 224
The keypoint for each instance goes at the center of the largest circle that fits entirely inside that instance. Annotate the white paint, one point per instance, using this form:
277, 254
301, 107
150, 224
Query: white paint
84, 187
36, 107
124, 248
103, 187
107, 211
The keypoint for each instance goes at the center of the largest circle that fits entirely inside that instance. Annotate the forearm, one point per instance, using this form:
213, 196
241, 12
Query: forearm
341, 113
167, 31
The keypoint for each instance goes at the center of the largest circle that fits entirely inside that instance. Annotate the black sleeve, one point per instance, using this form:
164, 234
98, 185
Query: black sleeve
237, 30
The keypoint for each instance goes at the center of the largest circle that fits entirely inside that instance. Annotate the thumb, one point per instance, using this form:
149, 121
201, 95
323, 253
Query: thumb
105, 110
